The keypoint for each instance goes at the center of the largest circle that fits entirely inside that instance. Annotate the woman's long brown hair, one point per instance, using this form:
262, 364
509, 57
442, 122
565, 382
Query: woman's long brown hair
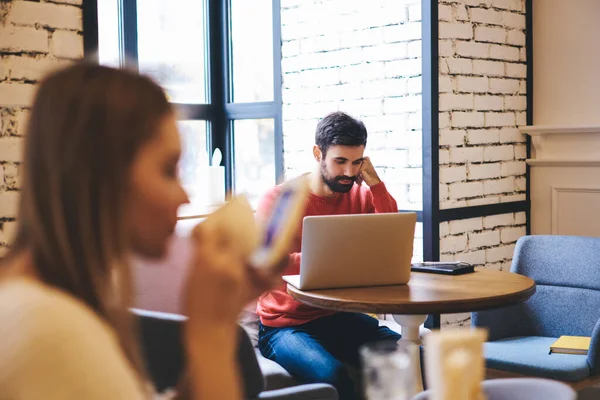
86, 126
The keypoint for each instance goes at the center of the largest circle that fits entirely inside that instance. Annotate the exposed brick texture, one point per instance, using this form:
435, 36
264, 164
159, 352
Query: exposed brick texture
482, 155
482, 100
35, 38
484, 242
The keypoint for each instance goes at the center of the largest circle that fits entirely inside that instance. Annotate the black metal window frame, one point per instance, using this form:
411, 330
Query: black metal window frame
219, 111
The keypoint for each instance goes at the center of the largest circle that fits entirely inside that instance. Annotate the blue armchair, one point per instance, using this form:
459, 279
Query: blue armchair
566, 270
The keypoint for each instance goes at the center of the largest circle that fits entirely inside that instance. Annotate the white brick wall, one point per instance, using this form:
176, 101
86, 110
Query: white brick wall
49, 15
484, 242
363, 58
35, 38
482, 93
26, 39
67, 44
482, 60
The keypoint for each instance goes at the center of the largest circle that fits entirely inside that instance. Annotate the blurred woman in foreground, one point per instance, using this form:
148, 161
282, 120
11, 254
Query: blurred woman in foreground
99, 185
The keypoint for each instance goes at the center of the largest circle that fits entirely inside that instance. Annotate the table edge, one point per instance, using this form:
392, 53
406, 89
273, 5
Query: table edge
433, 307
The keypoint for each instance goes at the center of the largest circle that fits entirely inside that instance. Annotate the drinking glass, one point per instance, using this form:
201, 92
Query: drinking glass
388, 372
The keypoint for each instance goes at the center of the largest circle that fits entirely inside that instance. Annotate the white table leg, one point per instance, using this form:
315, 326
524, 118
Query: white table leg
410, 331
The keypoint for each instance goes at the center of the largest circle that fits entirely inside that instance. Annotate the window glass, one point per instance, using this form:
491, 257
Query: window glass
171, 47
254, 157
108, 32
194, 158
252, 50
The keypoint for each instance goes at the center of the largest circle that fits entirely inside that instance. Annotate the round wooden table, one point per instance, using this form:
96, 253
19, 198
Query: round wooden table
425, 293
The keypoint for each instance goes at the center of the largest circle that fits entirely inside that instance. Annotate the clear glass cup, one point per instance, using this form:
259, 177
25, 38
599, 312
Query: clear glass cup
388, 372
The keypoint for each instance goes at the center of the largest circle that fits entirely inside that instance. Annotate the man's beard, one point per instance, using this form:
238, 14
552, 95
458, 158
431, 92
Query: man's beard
334, 184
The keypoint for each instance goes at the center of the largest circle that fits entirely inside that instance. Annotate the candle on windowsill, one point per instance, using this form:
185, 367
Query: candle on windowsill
215, 185
211, 182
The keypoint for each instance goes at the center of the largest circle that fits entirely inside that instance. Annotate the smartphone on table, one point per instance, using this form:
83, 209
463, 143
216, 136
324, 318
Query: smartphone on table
443, 267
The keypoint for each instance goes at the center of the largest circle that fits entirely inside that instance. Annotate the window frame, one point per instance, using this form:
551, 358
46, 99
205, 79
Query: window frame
219, 111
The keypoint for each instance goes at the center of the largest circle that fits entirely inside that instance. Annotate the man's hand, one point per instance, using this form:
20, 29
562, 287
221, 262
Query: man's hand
368, 174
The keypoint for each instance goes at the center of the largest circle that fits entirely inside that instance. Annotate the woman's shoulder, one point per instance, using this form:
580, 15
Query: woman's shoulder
49, 337
36, 315
27, 303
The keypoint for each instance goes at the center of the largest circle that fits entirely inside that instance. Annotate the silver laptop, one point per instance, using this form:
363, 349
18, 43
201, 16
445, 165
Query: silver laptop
355, 250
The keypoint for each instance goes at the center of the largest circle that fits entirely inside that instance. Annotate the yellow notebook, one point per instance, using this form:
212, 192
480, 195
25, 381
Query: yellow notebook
571, 345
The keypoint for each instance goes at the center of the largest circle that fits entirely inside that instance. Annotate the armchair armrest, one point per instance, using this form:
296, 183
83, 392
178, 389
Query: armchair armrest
593, 357
312, 391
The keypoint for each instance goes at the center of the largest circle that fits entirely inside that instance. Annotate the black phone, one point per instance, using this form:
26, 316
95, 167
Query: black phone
441, 267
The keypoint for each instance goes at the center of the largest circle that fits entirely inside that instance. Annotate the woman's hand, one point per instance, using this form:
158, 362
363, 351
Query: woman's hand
221, 282
214, 290
214, 295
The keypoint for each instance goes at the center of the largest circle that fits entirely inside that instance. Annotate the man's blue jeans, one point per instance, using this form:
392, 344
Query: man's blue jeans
321, 350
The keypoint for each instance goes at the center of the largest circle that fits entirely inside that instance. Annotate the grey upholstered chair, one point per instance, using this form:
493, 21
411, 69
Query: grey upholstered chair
566, 270
165, 361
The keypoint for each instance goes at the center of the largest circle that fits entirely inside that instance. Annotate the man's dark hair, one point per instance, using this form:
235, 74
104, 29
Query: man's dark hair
339, 128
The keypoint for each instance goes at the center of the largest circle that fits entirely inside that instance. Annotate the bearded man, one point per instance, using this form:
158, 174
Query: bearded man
312, 344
